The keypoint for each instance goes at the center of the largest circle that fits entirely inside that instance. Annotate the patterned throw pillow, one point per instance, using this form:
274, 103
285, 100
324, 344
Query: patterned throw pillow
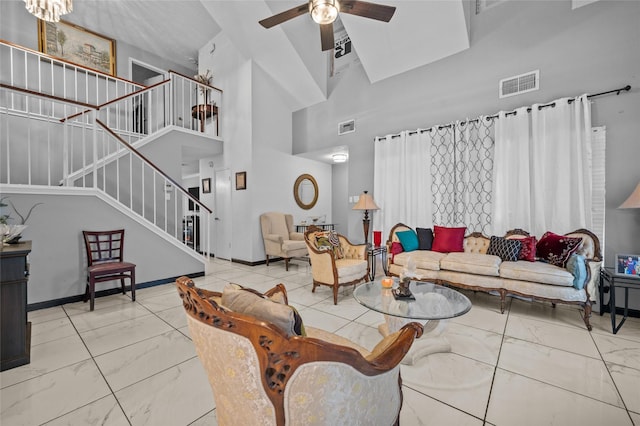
528, 250
507, 250
329, 240
557, 249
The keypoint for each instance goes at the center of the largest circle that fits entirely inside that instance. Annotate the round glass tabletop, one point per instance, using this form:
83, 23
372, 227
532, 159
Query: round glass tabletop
432, 301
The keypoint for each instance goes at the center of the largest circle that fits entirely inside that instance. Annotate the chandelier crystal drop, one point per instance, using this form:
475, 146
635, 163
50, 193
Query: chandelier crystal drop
49, 10
324, 11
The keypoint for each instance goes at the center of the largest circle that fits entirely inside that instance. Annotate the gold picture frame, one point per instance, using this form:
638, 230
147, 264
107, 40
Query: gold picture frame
77, 45
241, 180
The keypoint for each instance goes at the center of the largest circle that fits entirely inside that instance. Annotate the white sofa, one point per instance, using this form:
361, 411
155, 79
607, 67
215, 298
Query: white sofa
476, 270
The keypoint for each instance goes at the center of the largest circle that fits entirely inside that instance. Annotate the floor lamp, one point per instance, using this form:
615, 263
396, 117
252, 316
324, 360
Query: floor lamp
633, 202
366, 203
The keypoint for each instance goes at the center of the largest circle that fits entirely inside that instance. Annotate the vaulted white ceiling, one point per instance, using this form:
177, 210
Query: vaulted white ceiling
421, 32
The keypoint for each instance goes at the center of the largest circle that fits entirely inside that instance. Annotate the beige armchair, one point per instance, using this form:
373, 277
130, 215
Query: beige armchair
342, 265
279, 237
259, 375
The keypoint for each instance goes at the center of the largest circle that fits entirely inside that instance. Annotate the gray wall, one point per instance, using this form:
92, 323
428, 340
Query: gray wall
58, 260
587, 50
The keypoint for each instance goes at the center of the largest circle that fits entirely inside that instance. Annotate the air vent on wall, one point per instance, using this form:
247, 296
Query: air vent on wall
519, 84
346, 127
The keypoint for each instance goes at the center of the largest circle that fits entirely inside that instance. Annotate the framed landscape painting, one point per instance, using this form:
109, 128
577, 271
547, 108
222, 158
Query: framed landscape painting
75, 44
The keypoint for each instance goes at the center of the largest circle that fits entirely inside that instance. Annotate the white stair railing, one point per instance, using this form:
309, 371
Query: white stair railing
64, 142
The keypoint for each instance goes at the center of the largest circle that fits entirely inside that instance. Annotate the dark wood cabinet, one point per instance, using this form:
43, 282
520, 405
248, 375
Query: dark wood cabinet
15, 330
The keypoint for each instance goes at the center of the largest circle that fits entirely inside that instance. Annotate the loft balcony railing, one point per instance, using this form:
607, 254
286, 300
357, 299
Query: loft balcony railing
182, 101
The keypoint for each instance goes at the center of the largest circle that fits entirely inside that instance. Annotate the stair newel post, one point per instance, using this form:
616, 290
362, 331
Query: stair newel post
92, 117
65, 151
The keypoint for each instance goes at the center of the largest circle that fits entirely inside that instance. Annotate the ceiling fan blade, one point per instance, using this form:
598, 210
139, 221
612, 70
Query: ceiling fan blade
285, 16
326, 36
365, 9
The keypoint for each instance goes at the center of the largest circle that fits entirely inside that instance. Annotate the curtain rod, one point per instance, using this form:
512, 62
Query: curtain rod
492, 117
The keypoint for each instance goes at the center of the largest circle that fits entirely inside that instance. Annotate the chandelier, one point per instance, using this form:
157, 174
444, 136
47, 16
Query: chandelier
49, 10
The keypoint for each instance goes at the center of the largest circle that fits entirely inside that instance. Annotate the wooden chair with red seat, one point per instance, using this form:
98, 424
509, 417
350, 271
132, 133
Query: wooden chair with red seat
105, 258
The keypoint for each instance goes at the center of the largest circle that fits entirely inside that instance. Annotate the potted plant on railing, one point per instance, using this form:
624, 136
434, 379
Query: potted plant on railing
204, 110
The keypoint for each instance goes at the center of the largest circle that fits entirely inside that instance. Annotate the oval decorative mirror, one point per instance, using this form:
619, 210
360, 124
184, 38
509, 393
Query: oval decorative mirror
305, 191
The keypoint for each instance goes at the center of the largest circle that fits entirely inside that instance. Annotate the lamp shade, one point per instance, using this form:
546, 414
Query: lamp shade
633, 201
365, 202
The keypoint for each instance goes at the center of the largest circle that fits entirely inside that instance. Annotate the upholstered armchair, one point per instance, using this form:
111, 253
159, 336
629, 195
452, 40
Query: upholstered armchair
335, 261
261, 375
279, 237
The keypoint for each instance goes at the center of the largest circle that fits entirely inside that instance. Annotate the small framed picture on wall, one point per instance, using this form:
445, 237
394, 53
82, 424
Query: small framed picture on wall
206, 186
241, 180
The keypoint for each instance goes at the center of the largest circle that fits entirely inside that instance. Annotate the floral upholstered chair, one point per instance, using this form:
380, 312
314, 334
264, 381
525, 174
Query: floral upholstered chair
268, 374
335, 262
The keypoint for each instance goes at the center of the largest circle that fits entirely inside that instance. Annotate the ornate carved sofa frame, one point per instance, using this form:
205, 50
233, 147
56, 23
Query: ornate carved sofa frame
535, 280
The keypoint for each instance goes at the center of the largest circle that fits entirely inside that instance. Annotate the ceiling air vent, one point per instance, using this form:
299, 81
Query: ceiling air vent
519, 84
346, 127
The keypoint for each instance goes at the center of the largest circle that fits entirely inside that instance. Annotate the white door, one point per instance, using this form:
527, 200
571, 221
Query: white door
222, 215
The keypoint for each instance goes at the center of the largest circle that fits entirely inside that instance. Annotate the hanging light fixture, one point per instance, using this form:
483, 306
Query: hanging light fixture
49, 10
324, 11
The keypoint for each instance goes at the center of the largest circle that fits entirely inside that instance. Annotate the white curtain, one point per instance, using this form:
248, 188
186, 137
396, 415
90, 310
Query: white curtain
542, 169
402, 181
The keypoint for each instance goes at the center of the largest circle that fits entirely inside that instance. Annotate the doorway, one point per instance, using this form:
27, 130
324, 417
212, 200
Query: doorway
222, 217
148, 109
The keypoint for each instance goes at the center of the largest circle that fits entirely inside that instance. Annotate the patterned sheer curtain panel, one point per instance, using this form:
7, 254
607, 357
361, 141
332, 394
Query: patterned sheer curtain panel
402, 180
474, 145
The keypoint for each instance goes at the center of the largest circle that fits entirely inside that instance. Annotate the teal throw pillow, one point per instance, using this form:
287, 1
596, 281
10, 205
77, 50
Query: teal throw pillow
408, 239
578, 268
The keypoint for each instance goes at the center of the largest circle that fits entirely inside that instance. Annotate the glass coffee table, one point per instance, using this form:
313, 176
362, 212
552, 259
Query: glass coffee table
432, 305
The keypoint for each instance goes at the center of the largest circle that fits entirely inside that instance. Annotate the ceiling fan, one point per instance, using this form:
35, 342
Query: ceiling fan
324, 12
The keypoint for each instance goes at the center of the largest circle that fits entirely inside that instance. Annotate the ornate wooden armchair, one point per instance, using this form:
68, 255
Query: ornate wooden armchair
259, 375
341, 265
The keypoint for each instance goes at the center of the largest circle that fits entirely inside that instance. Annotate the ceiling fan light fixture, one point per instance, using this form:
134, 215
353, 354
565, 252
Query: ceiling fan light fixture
49, 10
324, 11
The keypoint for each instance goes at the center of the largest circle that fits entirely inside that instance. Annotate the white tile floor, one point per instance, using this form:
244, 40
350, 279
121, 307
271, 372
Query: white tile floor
134, 364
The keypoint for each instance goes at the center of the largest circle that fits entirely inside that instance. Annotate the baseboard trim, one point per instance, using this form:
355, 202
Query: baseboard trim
620, 311
78, 298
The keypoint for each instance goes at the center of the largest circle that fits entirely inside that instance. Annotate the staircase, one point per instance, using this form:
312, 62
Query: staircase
66, 127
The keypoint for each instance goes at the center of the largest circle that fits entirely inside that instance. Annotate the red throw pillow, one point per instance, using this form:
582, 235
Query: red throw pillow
528, 250
396, 248
557, 249
447, 240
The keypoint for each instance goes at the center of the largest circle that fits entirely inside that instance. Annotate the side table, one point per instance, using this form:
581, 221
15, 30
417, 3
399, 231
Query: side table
372, 251
609, 277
